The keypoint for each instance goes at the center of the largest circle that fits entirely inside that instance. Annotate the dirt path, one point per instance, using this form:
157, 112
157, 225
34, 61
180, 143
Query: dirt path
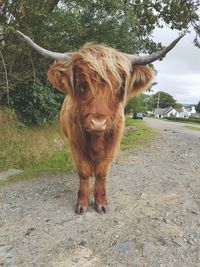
154, 219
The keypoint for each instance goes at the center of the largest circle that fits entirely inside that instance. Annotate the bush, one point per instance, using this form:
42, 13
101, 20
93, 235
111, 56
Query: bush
36, 105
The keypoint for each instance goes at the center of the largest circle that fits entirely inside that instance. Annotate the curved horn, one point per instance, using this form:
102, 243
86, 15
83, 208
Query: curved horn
44, 52
143, 60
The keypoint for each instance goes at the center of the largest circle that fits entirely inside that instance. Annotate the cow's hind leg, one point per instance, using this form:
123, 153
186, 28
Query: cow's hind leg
100, 188
84, 171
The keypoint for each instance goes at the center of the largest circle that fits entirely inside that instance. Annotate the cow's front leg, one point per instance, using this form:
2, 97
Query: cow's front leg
83, 199
83, 195
100, 188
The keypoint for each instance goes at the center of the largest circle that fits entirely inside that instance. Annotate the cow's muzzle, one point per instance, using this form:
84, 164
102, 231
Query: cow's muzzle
95, 123
98, 124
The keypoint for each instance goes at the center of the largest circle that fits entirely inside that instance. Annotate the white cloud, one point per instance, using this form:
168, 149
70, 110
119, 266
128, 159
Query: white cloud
179, 72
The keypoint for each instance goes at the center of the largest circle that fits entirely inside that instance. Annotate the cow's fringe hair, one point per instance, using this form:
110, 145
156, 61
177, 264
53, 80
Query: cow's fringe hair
107, 62
99, 63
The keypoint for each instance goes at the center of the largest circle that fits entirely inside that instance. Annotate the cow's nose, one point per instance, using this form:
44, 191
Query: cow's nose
98, 124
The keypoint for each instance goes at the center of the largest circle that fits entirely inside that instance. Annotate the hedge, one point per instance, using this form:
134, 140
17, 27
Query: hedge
191, 119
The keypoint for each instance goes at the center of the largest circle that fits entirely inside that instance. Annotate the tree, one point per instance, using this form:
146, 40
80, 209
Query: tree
165, 100
65, 25
141, 103
136, 104
198, 107
178, 106
149, 102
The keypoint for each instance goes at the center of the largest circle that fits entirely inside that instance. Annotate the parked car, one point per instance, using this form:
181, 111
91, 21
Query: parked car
137, 115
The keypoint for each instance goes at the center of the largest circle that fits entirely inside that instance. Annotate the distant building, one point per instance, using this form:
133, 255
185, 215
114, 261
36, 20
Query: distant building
173, 112
161, 112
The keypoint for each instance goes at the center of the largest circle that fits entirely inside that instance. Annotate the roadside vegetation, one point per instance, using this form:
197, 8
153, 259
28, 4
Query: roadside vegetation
136, 137
192, 127
43, 149
33, 149
190, 120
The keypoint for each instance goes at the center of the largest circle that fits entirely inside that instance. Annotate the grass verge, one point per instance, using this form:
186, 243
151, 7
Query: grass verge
192, 127
136, 137
186, 120
33, 149
42, 149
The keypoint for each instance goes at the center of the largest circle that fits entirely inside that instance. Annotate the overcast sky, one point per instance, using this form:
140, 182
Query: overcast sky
179, 72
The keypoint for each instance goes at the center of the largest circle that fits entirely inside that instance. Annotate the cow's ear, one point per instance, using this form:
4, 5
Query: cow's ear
140, 80
60, 75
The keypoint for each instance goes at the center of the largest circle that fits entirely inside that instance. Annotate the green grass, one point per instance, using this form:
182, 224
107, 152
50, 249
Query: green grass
42, 149
60, 162
137, 137
33, 149
192, 127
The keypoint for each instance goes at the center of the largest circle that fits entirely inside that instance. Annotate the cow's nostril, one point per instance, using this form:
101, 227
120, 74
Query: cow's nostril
98, 124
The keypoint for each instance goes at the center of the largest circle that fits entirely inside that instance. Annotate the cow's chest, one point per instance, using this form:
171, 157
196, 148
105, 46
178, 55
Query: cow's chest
98, 146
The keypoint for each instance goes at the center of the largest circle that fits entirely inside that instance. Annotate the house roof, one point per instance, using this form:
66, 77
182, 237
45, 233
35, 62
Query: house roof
179, 110
165, 111
162, 111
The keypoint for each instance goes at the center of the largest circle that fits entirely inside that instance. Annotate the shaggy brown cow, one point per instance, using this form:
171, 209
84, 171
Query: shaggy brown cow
97, 81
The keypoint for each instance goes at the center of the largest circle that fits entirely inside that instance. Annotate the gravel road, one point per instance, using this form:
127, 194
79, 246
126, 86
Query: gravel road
154, 218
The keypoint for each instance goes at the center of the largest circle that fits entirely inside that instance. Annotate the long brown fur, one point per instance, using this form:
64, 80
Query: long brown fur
98, 81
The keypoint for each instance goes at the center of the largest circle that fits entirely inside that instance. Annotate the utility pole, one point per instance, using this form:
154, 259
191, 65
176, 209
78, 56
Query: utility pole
158, 103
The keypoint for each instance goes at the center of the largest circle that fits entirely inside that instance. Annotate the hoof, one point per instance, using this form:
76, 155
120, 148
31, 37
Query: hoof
81, 209
101, 209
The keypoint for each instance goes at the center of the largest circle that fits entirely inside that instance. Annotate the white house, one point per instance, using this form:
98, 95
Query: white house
173, 112
162, 112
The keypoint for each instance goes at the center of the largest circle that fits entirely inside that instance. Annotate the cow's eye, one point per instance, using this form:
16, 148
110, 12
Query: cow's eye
84, 88
82, 91
120, 92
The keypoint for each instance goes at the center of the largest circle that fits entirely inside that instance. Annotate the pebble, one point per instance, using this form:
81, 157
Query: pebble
124, 247
5, 174
178, 241
147, 248
83, 243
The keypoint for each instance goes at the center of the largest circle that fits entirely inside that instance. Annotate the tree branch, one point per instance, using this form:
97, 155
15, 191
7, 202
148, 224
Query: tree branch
34, 74
6, 77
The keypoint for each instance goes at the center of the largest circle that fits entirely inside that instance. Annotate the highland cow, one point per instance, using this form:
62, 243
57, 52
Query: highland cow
97, 81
